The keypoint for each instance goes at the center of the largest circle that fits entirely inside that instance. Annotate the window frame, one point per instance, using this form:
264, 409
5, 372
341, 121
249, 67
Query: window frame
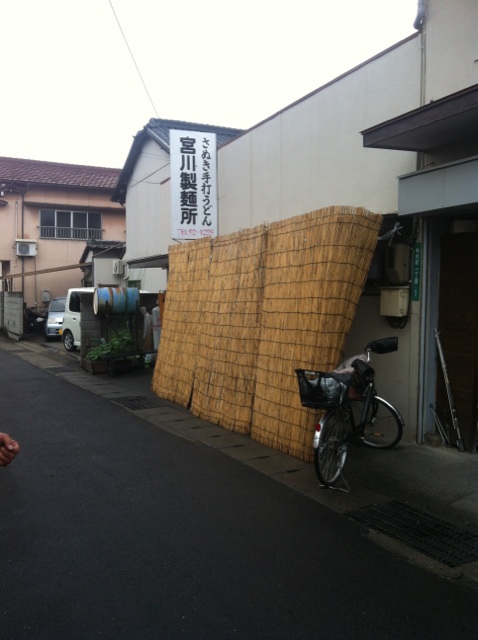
65, 232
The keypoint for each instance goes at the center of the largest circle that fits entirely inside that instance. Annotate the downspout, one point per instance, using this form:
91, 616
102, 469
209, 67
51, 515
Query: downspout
15, 235
419, 24
23, 192
23, 257
423, 411
420, 19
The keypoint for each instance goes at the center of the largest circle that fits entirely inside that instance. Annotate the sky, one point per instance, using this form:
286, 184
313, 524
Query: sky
79, 79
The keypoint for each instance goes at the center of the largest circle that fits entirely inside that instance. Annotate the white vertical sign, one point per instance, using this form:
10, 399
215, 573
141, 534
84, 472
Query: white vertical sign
193, 184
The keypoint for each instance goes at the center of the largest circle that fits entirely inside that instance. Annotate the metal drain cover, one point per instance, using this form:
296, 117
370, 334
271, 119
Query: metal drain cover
135, 403
437, 539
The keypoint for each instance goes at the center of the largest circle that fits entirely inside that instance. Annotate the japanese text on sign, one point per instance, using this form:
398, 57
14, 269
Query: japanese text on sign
193, 185
416, 271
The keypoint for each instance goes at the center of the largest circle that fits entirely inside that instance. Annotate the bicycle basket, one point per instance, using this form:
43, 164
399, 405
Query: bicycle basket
320, 390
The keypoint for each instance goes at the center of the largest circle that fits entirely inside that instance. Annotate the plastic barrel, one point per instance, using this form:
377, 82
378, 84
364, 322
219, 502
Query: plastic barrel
115, 301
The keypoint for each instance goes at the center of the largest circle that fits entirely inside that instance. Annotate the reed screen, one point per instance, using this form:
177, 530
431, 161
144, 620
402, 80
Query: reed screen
243, 311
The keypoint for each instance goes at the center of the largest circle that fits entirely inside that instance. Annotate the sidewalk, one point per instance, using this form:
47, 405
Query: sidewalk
420, 500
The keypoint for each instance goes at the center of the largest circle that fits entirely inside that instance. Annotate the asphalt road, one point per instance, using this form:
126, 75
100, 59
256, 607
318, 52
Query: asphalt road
114, 529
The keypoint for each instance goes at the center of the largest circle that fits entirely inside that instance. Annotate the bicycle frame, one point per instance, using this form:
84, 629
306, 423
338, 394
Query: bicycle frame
379, 426
354, 428
385, 345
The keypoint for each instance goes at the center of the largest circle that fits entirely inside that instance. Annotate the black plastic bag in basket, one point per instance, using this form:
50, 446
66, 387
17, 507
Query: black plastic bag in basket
322, 390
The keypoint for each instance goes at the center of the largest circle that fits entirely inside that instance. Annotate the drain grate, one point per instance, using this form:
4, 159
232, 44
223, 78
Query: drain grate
135, 403
437, 539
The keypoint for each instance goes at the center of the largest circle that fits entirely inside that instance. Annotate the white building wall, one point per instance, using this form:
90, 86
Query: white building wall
311, 155
234, 171
148, 230
451, 33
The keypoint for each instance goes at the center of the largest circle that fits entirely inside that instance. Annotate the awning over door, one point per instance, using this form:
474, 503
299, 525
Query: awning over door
445, 189
149, 262
438, 123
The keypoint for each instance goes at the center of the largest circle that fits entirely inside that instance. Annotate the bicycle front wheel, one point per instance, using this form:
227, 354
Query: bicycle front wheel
331, 453
383, 427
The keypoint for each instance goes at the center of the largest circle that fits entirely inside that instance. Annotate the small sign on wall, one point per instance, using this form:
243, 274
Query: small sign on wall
416, 271
193, 185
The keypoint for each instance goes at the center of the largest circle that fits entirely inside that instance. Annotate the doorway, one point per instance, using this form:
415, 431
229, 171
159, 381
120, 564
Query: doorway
458, 329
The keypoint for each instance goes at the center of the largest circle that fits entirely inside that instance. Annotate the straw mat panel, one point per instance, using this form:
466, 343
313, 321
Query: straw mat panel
230, 330
244, 310
316, 266
176, 363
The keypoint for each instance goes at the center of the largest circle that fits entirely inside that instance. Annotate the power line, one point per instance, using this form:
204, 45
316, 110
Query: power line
134, 61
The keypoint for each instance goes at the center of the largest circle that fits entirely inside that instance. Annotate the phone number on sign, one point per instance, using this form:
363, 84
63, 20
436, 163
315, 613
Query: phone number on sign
195, 233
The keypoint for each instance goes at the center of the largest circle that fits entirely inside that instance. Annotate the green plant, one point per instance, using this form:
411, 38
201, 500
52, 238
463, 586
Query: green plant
119, 345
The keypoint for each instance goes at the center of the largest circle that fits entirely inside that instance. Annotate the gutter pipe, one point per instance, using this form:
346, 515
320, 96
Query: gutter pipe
420, 19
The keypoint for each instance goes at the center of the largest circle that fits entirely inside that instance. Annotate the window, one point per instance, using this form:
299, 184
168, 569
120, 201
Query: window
75, 302
70, 225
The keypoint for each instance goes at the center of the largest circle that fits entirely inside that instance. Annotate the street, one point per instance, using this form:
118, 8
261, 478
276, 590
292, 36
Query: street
112, 528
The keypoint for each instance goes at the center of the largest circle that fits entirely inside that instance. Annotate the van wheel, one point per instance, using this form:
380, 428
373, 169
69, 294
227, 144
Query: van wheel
68, 341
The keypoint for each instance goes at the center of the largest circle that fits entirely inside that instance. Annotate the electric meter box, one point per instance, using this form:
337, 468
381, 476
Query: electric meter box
394, 301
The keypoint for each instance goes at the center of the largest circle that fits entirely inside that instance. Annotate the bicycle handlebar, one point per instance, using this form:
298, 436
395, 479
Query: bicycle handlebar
384, 345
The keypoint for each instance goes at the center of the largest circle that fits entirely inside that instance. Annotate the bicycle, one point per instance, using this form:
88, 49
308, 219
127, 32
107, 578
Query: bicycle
354, 411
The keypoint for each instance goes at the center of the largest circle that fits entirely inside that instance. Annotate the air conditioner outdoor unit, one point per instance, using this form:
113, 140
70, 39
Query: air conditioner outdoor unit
26, 248
118, 267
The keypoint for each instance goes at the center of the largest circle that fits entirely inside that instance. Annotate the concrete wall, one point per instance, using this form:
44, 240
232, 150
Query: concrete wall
11, 314
396, 373
451, 36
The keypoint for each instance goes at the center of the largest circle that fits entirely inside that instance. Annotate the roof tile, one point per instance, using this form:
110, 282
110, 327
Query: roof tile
57, 174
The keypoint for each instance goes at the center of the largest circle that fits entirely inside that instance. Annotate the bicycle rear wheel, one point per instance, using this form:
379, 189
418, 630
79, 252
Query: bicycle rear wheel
383, 427
331, 453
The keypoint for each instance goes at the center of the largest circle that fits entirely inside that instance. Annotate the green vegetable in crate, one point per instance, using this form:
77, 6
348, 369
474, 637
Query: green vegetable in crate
116, 346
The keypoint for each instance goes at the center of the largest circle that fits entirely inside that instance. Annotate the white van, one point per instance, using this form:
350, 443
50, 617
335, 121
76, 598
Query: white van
71, 330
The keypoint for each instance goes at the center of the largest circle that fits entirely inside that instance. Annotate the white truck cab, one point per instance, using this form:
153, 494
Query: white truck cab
71, 329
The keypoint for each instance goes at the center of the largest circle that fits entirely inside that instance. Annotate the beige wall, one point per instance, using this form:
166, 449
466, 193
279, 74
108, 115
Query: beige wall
51, 254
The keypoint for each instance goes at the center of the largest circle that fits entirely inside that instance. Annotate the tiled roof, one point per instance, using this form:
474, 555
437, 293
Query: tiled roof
159, 129
110, 248
57, 174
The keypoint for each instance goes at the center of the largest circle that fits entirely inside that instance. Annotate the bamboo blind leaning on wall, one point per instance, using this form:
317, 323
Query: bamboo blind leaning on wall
230, 330
243, 311
181, 328
315, 269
